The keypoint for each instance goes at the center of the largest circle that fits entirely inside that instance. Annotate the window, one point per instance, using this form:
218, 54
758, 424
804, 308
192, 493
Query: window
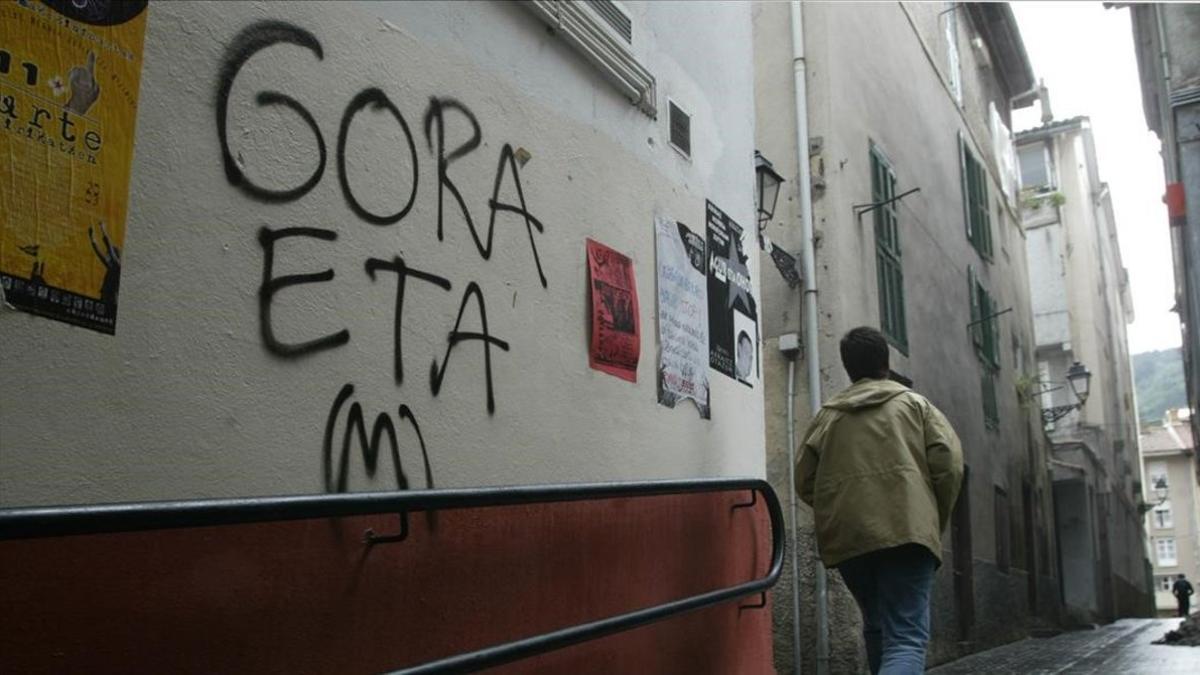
1162, 516
1002, 146
985, 325
1158, 472
887, 252
975, 200
950, 15
985, 337
1164, 583
991, 410
1000, 513
1164, 549
680, 124
1035, 169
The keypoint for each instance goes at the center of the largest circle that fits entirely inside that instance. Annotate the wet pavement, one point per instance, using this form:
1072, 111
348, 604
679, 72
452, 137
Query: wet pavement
1119, 648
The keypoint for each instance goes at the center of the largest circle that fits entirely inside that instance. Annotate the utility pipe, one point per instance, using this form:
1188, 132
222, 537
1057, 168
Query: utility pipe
793, 510
809, 297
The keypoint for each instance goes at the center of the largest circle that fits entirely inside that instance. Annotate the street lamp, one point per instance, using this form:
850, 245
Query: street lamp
768, 188
1080, 380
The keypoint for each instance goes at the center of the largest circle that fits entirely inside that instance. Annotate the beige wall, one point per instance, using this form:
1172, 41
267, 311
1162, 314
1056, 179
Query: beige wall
1184, 498
187, 401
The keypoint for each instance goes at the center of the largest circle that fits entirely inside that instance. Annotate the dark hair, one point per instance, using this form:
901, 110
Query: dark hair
864, 353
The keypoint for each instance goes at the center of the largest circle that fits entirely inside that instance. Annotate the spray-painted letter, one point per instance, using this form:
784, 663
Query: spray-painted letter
402, 271
272, 285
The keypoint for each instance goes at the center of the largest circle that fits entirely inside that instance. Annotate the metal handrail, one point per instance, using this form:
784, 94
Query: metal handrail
54, 521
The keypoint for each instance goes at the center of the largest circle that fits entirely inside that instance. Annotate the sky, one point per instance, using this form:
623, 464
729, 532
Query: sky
1085, 54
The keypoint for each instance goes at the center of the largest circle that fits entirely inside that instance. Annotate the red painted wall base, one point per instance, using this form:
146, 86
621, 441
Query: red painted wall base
310, 597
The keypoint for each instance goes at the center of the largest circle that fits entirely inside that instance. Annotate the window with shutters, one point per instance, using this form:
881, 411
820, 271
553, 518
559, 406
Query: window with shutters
1162, 516
1000, 517
991, 408
950, 16
985, 325
887, 251
976, 212
985, 339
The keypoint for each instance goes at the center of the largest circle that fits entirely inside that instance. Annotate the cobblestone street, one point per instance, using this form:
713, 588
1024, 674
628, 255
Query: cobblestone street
1123, 647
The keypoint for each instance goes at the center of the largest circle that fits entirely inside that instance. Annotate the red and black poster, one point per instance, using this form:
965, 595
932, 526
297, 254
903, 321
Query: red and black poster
616, 331
732, 311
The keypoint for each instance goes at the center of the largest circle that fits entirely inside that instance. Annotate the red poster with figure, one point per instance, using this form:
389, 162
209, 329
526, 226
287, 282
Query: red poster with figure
616, 329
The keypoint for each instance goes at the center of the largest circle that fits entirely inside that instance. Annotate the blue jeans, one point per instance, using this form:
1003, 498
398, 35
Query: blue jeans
893, 587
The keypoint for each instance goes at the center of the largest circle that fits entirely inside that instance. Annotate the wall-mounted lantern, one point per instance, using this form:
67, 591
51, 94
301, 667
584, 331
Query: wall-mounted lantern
1080, 380
768, 188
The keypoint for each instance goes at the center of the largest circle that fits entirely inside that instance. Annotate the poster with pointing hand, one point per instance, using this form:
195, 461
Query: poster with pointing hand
69, 77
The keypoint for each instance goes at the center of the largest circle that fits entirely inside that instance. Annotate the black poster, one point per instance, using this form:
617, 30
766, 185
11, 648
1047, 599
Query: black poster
732, 311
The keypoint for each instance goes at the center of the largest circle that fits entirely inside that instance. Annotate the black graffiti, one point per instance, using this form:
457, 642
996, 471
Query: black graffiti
403, 272
435, 115
272, 285
356, 429
448, 140
436, 374
264, 34
253, 39
507, 157
376, 99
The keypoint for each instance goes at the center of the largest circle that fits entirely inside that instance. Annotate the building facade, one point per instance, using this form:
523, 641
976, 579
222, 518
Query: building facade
916, 230
374, 216
1167, 40
1081, 305
1171, 492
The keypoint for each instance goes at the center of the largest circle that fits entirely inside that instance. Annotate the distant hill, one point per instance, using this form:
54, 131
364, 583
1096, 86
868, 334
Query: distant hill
1158, 377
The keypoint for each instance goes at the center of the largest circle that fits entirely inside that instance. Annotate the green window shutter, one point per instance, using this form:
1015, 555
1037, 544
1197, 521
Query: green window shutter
890, 276
965, 179
973, 294
976, 216
994, 325
985, 214
991, 412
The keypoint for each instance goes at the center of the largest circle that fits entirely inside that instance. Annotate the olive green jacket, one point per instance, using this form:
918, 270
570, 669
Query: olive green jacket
881, 467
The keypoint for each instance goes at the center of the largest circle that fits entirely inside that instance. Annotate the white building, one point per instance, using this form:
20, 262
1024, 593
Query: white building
1081, 306
1173, 527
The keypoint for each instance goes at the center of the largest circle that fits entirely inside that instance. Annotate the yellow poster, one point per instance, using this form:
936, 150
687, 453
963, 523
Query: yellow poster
69, 76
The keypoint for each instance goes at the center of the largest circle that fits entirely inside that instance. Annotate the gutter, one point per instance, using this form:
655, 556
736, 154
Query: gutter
809, 310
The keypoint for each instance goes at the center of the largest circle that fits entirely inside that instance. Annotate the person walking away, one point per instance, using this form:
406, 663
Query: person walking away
881, 467
1182, 590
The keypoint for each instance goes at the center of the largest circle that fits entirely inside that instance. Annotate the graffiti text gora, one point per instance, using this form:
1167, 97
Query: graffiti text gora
439, 115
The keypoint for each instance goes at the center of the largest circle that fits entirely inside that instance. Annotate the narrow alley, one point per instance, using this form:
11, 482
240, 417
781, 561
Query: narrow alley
1121, 647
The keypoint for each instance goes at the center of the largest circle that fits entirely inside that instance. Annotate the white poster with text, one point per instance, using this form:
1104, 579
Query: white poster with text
682, 316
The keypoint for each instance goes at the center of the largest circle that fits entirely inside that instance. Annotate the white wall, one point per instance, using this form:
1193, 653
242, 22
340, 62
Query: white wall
187, 401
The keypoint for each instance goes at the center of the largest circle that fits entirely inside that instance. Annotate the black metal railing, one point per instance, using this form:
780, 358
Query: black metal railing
56, 521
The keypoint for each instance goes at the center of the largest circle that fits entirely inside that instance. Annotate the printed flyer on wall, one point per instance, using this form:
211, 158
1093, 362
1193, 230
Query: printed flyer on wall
69, 77
682, 316
732, 311
616, 333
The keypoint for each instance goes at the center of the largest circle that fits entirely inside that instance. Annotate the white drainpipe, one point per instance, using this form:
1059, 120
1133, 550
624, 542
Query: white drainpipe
809, 306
